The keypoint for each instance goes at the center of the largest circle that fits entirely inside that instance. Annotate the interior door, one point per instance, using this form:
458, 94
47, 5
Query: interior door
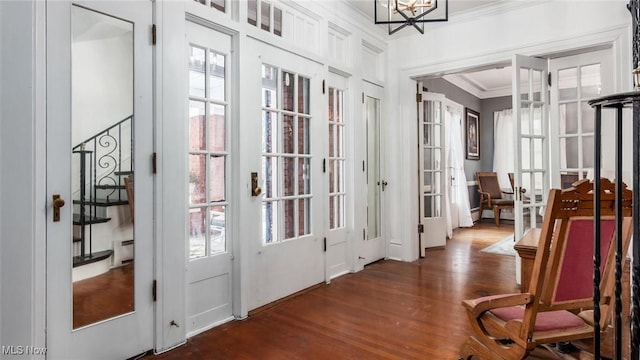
531, 143
431, 173
288, 255
576, 80
99, 99
209, 262
373, 239
338, 215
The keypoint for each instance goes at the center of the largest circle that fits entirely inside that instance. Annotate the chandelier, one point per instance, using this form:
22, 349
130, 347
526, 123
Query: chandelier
399, 14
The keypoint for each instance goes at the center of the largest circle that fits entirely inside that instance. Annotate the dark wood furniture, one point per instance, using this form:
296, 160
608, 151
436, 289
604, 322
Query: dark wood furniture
526, 248
557, 305
491, 195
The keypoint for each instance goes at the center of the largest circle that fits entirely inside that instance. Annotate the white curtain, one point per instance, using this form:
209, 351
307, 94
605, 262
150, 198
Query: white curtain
503, 148
455, 164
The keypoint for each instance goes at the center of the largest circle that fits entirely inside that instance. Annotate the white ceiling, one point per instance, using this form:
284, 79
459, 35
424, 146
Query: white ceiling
482, 84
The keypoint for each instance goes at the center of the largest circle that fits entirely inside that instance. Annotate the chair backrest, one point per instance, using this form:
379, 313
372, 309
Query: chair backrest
562, 276
488, 182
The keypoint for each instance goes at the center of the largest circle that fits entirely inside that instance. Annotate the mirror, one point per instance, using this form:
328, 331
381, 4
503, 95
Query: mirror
102, 166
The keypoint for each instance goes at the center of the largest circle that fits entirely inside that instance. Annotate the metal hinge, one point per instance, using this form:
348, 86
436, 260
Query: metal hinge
324, 165
325, 245
154, 163
364, 234
418, 98
363, 97
420, 228
153, 34
154, 290
323, 90
549, 79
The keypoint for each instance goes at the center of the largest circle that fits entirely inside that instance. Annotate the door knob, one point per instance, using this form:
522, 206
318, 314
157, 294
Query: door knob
58, 202
255, 188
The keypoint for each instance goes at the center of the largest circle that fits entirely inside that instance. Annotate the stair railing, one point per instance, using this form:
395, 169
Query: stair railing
101, 160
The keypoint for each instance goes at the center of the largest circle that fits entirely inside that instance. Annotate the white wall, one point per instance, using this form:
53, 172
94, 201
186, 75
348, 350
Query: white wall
480, 38
102, 84
21, 154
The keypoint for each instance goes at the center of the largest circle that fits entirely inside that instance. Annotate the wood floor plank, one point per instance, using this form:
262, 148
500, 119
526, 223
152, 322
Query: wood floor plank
390, 310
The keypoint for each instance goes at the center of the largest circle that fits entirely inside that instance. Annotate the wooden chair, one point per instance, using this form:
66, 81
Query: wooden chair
558, 305
491, 195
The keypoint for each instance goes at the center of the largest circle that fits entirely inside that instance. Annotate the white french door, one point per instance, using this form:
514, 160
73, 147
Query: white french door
431, 171
287, 145
99, 71
373, 246
210, 255
576, 80
335, 165
531, 142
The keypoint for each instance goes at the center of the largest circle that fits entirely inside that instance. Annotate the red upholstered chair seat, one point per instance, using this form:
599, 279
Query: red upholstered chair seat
545, 321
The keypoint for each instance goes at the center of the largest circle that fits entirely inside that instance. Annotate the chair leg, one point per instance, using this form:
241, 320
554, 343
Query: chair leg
481, 209
496, 215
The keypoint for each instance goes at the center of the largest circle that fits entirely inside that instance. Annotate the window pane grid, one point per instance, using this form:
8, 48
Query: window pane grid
577, 85
286, 165
207, 154
336, 159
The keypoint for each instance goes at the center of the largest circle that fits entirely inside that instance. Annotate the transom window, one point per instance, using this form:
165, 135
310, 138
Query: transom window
336, 159
207, 152
216, 4
260, 14
286, 157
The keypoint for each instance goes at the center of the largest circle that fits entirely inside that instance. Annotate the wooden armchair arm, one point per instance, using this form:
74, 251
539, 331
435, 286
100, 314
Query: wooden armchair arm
479, 306
485, 194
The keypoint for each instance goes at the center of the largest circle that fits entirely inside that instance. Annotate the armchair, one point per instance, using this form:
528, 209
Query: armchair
558, 305
491, 195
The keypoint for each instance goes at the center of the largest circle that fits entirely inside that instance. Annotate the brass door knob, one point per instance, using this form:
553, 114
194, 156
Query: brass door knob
58, 202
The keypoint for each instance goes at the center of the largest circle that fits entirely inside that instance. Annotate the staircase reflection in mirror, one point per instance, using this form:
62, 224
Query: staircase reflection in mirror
102, 157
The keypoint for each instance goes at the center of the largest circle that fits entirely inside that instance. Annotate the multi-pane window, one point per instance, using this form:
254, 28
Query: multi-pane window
577, 85
207, 152
267, 17
216, 4
286, 156
336, 159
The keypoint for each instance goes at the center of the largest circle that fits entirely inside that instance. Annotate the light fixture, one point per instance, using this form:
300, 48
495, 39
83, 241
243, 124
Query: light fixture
401, 13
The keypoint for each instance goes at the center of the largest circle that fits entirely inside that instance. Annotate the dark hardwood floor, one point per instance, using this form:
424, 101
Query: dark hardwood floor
390, 310
103, 296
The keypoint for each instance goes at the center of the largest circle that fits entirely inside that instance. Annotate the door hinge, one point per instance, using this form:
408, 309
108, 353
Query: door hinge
363, 170
364, 234
420, 228
323, 90
153, 34
418, 98
549, 79
154, 162
325, 245
324, 165
154, 290
363, 97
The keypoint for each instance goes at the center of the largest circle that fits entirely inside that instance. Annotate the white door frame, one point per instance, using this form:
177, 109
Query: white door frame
617, 38
82, 342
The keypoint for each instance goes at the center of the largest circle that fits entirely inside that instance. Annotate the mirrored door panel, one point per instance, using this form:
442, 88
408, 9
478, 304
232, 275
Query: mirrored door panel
102, 166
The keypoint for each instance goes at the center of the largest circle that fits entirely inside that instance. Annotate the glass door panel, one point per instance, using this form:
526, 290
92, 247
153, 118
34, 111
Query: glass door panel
431, 113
